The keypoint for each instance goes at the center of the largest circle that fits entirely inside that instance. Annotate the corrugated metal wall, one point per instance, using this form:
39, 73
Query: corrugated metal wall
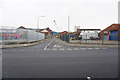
21, 35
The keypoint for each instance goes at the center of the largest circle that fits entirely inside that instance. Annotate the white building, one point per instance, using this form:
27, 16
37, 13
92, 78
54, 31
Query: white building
88, 33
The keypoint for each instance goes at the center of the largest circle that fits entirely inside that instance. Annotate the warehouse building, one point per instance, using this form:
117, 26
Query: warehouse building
88, 33
112, 32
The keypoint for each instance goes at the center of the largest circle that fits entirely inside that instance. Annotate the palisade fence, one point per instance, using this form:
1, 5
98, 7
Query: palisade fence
10, 35
105, 39
112, 39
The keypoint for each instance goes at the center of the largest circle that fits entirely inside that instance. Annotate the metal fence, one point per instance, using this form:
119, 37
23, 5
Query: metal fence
13, 35
86, 39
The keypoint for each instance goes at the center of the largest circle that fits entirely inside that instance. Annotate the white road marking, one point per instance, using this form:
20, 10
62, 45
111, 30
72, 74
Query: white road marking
76, 49
69, 49
83, 48
54, 49
45, 47
96, 48
62, 49
56, 45
89, 48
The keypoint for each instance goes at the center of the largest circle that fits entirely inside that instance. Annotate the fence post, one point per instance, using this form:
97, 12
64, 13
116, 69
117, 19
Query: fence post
102, 39
86, 38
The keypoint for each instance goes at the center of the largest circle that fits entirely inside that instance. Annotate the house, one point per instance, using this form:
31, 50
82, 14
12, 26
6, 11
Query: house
112, 32
46, 31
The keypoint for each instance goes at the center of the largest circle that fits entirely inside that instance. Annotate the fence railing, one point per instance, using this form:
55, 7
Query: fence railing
105, 39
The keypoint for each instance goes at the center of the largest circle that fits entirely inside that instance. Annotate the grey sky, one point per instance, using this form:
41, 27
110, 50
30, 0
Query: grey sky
86, 13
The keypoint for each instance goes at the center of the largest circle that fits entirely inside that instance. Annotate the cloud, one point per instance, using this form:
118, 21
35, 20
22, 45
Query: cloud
94, 13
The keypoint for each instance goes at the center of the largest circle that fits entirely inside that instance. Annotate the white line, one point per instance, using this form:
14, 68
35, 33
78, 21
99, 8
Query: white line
76, 49
62, 49
45, 48
55, 45
83, 48
96, 48
89, 48
54, 49
69, 49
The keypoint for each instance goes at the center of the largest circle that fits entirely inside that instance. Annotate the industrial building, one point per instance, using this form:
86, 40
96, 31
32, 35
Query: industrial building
112, 32
88, 33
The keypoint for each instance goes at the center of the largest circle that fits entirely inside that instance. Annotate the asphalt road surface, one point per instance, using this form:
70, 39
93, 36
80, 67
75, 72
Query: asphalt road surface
52, 59
0, 63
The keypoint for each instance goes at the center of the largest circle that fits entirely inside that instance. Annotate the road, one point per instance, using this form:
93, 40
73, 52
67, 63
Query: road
52, 59
0, 63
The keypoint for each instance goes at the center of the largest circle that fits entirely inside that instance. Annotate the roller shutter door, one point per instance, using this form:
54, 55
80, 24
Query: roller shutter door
113, 35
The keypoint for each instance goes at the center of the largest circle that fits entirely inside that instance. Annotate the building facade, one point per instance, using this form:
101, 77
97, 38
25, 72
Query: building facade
88, 33
112, 32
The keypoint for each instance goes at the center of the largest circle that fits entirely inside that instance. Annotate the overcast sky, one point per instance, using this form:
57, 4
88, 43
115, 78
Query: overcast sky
86, 13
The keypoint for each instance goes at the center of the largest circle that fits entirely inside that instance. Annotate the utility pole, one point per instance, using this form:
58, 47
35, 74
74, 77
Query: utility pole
38, 25
68, 24
68, 28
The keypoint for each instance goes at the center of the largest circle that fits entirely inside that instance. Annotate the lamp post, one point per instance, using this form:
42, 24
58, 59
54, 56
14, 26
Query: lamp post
68, 28
38, 25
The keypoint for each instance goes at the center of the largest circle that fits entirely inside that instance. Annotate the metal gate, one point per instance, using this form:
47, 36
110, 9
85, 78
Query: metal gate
106, 37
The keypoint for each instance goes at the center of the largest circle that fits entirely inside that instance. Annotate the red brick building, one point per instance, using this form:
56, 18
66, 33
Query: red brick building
112, 32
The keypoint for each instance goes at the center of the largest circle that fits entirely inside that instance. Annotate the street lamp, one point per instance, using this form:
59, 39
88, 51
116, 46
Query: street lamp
68, 28
38, 24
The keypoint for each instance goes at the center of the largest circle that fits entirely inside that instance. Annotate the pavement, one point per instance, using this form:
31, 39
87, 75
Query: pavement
106, 42
90, 45
54, 59
62, 42
21, 45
